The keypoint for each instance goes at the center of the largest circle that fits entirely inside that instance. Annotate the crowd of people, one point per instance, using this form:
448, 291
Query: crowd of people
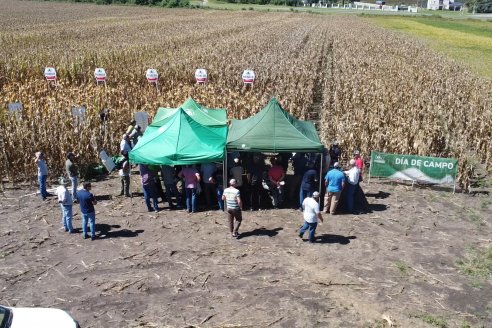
256, 181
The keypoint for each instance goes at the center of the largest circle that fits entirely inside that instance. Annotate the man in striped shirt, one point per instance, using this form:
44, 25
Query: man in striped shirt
232, 197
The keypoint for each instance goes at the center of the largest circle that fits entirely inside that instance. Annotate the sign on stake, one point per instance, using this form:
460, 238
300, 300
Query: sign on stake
15, 109
50, 74
100, 75
249, 77
201, 76
153, 77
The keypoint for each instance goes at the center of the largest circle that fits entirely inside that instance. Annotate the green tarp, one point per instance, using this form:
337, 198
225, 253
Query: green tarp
180, 140
273, 130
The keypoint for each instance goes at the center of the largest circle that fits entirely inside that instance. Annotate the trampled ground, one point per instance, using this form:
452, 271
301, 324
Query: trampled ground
398, 264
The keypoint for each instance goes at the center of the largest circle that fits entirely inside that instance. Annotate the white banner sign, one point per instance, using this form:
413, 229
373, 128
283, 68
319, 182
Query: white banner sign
78, 113
100, 75
249, 76
50, 73
152, 75
201, 75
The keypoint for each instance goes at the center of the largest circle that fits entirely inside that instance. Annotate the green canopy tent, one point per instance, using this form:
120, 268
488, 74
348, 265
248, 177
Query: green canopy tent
201, 114
273, 130
180, 141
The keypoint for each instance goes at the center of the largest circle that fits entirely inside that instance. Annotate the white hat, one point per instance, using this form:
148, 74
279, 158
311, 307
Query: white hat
352, 162
232, 182
336, 164
236, 160
62, 181
315, 194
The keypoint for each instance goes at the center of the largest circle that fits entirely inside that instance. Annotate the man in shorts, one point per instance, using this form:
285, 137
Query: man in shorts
232, 197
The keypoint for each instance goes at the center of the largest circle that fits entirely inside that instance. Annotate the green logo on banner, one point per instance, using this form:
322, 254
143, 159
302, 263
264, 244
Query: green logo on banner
415, 168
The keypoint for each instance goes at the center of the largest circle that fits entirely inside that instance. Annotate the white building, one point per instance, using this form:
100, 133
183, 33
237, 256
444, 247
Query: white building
444, 5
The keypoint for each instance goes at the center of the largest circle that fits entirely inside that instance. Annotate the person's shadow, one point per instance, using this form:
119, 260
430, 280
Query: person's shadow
105, 231
333, 239
260, 232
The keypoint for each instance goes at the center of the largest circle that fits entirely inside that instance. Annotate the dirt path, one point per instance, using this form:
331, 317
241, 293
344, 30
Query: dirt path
172, 269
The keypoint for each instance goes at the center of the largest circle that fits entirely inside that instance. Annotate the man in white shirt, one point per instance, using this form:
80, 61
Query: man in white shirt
232, 197
125, 145
66, 201
311, 213
353, 182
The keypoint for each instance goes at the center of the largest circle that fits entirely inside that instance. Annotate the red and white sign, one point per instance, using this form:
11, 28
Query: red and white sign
50, 73
249, 76
201, 75
100, 75
152, 75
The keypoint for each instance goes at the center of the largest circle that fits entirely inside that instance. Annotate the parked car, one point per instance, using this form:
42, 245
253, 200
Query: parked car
35, 318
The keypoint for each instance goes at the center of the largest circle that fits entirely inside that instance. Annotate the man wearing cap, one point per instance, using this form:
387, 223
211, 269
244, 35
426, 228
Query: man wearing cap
311, 214
353, 183
334, 182
72, 173
232, 197
65, 200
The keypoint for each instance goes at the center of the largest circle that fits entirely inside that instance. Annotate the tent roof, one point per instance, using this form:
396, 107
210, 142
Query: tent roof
201, 114
273, 130
180, 141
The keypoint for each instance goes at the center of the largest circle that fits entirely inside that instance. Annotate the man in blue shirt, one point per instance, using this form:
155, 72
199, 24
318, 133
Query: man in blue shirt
334, 182
308, 184
87, 202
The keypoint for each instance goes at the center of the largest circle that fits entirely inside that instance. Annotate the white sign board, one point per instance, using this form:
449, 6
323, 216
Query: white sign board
100, 75
142, 119
201, 75
107, 161
249, 76
152, 75
50, 74
78, 113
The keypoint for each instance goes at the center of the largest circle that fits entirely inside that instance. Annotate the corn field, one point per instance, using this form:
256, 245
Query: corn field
371, 89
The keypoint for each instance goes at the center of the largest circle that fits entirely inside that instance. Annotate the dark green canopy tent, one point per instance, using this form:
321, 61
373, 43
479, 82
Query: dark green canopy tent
180, 140
273, 130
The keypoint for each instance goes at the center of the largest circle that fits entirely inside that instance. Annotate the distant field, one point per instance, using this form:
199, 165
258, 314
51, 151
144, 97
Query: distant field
467, 41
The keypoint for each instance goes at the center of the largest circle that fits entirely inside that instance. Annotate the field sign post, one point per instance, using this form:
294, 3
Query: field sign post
152, 77
201, 76
248, 77
15, 109
50, 75
100, 75
142, 119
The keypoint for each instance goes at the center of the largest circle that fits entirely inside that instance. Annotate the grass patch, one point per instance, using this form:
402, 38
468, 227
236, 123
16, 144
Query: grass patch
477, 264
467, 41
432, 320
402, 267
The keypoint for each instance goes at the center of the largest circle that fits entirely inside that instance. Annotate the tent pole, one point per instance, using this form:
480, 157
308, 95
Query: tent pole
224, 174
321, 172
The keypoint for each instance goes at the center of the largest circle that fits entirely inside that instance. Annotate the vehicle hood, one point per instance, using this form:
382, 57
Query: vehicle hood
41, 318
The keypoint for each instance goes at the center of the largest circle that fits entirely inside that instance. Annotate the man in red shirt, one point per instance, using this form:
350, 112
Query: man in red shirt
276, 175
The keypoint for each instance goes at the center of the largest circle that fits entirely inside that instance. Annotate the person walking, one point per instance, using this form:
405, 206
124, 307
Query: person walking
87, 202
124, 174
308, 183
335, 152
149, 188
66, 201
42, 174
72, 173
232, 198
334, 183
353, 183
311, 215
191, 178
